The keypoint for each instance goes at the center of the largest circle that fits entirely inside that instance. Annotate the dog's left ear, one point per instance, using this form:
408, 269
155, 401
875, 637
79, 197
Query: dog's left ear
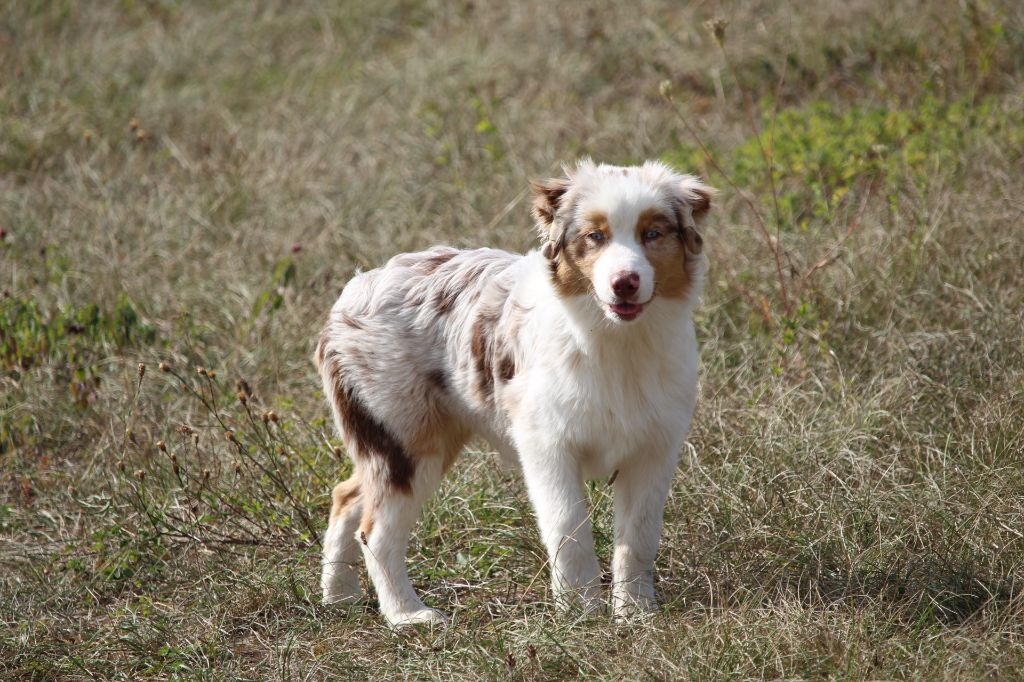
692, 205
547, 199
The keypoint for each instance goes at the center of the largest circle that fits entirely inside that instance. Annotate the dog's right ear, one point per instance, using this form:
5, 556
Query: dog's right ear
547, 199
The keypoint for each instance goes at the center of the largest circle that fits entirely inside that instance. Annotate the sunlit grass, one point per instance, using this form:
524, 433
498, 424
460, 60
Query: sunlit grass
187, 187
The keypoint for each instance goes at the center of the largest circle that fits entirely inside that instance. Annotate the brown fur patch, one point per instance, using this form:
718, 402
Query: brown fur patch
691, 238
370, 437
366, 522
450, 457
547, 195
694, 242
456, 286
506, 366
321, 347
573, 272
351, 321
445, 299
667, 253
654, 219
701, 205
438, 378
345, 494
480, 347
432, 262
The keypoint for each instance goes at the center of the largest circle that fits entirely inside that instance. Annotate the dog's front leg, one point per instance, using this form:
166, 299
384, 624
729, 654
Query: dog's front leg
640, 493
556, 491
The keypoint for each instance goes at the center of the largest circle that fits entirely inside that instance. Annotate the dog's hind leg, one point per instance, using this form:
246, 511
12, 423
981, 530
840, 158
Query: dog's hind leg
340, 576
401, 438
389, 515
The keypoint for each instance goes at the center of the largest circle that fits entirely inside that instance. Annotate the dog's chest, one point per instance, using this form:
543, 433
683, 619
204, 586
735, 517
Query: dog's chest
614, 404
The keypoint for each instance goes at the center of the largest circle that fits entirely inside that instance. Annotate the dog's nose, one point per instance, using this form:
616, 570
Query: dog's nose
625, 284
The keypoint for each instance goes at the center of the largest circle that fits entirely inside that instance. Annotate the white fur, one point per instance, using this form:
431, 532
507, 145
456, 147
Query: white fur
589, 397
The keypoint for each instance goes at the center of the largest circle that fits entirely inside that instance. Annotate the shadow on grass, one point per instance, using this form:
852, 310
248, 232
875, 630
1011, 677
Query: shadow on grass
920, 590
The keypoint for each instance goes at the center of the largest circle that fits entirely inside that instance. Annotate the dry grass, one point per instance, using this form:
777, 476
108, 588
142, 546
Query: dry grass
192, 184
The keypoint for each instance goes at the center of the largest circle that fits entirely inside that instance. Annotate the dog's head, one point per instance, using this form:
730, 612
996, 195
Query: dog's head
624, 235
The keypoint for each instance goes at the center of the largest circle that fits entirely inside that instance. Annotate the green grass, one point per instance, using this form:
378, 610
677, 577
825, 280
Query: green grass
193, 183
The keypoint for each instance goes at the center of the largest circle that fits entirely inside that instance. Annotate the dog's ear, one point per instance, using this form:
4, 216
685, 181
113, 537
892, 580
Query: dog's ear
698, 196
692, 205
547, 199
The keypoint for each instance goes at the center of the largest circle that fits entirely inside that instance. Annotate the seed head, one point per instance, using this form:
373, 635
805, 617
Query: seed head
161, 446
210, 373
142, 369
230, 435
134, 123
238, 467
271, 416
141, 135
243, 387
141, 475
206, 475
665, 88
201, 371
717, 27
242, 398
120, 466
164, 367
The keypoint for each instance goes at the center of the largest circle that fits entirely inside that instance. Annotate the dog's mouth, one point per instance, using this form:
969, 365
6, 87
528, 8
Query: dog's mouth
625, 311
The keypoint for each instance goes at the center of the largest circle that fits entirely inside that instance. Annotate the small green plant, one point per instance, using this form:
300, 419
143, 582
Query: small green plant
271, 298
781, 314
71, 340
820, 154
817, 167
30, 335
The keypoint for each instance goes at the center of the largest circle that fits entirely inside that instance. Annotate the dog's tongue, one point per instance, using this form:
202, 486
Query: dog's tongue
626, 310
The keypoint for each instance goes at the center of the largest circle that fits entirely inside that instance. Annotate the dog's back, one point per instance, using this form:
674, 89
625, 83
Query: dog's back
396, 346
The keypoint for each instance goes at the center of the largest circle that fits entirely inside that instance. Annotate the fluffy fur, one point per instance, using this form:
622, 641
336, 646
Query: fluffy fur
575, 361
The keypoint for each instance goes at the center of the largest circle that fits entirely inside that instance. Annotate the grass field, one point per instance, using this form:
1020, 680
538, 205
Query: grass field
192, 184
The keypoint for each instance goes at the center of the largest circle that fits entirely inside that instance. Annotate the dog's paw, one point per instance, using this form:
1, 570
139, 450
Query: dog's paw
425, 616
634, 608
343, 596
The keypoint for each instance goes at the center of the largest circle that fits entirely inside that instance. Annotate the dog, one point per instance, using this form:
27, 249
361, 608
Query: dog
575, 361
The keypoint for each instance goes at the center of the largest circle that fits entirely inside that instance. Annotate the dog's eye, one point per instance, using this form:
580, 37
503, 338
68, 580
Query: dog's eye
596, 236
651, 235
